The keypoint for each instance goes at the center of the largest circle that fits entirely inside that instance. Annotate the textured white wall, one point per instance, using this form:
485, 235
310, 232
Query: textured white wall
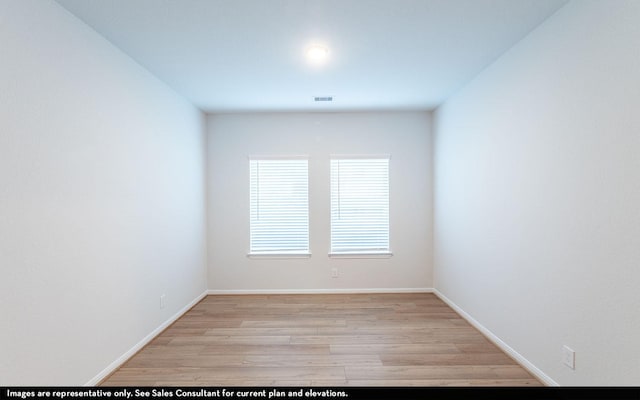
537, 195
101, 199
232, 138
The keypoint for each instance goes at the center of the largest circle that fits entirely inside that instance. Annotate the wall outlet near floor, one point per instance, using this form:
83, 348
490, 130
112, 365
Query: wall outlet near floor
569, 357
334, 272
163, 300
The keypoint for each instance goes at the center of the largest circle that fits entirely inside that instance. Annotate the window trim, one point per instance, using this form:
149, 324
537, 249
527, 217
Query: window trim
359, 254
295, 254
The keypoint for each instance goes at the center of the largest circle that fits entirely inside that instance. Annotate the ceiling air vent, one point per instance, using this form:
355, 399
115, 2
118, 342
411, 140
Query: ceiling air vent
323, 98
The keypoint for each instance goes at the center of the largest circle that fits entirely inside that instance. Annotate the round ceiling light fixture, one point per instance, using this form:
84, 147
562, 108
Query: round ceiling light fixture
317, 54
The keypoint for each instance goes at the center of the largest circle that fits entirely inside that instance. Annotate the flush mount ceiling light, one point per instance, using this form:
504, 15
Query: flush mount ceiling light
317, 54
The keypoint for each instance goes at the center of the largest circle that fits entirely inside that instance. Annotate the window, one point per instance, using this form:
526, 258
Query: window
360, 205
279, 206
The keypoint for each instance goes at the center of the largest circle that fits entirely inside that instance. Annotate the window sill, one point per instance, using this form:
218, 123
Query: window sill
279, 256
361, 255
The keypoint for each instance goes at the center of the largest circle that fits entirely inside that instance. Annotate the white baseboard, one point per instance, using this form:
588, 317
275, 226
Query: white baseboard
123, 358
320, 291
526, 364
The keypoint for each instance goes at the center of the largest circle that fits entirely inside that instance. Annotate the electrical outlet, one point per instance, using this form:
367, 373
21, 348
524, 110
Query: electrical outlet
163, 299
569, 357
334, 272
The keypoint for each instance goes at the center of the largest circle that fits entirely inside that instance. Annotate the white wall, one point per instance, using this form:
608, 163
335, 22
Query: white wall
537, 195
233, 137
101, 199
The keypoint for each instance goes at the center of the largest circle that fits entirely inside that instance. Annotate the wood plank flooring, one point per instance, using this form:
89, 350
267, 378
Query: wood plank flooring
321, 340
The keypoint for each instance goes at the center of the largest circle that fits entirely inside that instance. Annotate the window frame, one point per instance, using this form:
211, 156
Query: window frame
251, 253
363, 254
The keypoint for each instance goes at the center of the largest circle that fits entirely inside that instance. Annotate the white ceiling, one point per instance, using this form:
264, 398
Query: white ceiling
249, 55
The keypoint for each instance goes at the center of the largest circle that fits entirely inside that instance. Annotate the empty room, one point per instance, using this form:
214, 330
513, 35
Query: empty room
319, 193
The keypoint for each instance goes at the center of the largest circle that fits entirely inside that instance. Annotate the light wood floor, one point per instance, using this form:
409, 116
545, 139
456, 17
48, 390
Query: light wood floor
321, 340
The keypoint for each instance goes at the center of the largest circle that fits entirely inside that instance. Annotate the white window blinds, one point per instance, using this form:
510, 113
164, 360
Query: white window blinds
360, 205
279, 206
